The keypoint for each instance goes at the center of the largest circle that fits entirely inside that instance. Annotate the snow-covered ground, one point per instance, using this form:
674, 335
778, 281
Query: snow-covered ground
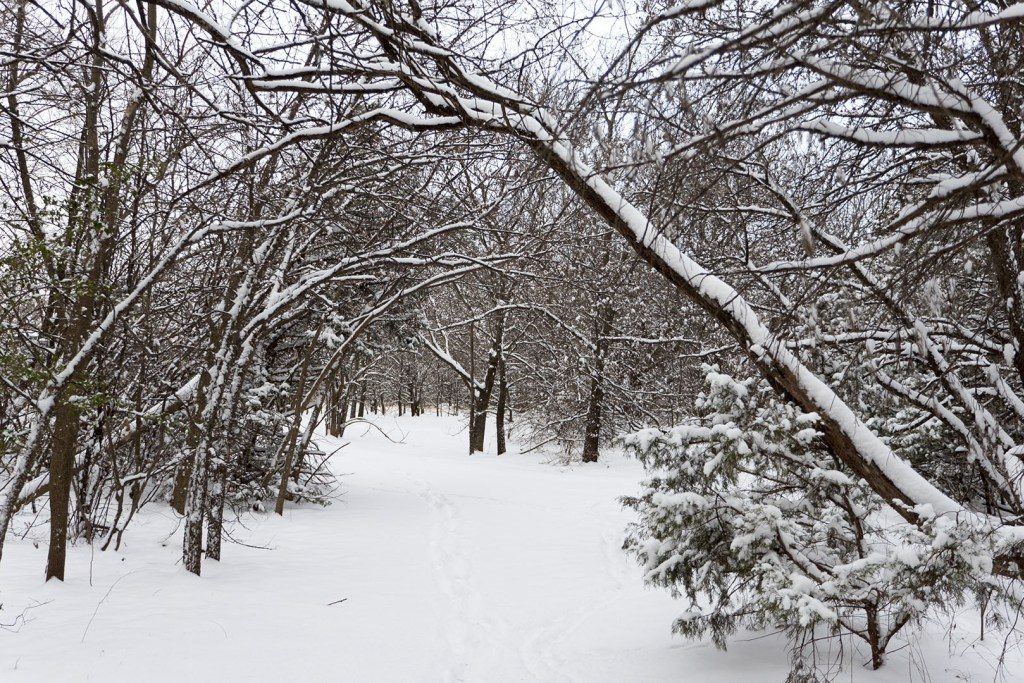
431, 566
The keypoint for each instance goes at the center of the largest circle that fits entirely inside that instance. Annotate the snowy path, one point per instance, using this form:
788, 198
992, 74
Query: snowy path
452, 568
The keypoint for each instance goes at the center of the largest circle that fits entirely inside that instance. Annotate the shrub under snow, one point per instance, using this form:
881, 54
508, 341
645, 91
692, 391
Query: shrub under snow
748, 516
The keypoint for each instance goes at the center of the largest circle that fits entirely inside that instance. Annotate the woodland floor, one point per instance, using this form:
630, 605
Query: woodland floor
447, 568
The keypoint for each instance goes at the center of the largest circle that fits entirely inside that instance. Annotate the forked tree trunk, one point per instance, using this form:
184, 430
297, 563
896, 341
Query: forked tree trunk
482, 395
293, 431
183, 473
84, 204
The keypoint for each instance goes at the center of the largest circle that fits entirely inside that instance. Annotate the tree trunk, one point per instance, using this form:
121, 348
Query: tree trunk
592, 428
293, 431
183, 473
1005, 249
414, 400
340, 417
595, 409
215, 523
478, 431
307, 437
482, 394
84, 209
192, 543
874, 638
499, 409
62, 460
472, 383
180, 490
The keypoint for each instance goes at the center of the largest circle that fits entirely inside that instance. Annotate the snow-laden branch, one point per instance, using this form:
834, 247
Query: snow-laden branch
893, 478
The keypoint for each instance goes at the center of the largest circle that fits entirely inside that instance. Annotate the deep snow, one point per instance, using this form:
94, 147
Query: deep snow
448, 567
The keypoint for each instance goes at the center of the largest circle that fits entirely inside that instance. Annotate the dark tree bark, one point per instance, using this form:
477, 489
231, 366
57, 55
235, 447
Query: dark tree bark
62, 458
192, 544
340, 415
307, 437
415, 408
595, 408
500, 407
472, 382
298, 404
215, 521
1008, 259
482, 394
183, 473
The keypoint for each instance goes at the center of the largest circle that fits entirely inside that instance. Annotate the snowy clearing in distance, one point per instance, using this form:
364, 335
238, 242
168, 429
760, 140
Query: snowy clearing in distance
431, 566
